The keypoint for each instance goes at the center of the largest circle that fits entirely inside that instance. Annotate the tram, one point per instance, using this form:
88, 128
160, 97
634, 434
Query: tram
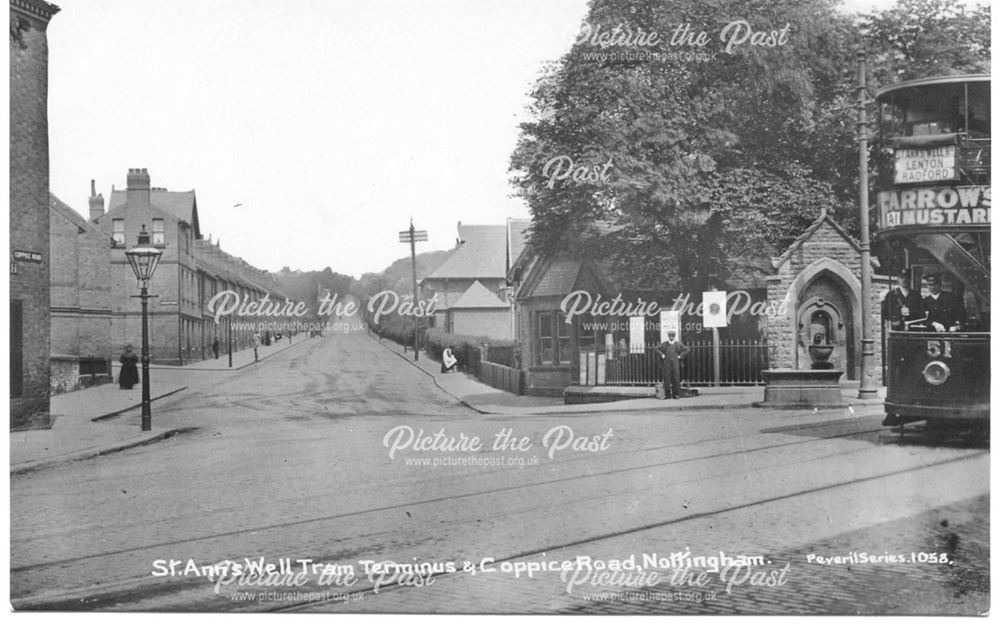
933, 175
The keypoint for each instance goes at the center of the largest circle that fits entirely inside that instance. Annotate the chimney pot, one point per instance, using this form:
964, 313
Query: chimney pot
96, 202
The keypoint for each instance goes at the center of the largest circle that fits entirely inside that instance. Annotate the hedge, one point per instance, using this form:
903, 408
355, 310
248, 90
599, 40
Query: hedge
465, 348
395, 328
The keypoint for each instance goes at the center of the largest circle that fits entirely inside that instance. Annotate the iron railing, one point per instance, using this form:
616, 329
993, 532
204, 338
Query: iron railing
741, 362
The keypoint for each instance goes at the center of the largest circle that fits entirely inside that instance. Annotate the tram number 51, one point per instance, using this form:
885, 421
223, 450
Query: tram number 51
939, 348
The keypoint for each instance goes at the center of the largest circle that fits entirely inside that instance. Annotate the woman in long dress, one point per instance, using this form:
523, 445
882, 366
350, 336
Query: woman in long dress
448, 360
129, 375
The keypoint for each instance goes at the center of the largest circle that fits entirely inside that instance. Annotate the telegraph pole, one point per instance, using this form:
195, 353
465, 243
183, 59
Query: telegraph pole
867, 388
411, 236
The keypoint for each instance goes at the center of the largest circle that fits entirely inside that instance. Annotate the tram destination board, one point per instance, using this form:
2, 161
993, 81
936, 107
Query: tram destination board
925, 165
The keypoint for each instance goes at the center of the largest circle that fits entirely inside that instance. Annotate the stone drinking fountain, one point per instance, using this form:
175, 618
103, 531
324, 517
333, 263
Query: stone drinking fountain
817, 386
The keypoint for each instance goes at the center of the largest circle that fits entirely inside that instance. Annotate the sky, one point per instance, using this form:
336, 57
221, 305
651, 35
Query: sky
311, 130
330, 122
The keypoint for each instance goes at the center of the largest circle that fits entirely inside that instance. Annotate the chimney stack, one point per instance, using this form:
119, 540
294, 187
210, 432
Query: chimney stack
96, 203
137, 191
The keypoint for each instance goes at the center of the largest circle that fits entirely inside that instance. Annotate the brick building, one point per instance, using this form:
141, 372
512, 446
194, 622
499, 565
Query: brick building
29, 213
80, 299
218, 272
550, 346
471, 285
190, 272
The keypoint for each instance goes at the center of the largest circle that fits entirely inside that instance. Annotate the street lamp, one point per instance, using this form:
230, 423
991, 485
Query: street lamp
144, 258
867, 388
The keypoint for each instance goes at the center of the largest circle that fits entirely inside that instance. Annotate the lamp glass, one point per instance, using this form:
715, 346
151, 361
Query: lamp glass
143, 261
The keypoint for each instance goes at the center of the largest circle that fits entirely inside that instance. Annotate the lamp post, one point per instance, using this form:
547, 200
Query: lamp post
866, 388
144, 258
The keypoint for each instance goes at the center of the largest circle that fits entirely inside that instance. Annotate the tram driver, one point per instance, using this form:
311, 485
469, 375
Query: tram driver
944, 310
902, 304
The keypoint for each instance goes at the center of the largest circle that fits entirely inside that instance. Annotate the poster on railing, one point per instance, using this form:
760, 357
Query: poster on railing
636, 334
670, 320
713, 308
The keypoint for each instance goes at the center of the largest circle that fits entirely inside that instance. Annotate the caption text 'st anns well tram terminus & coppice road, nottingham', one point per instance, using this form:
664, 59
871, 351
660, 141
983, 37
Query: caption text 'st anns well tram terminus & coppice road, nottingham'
933, 161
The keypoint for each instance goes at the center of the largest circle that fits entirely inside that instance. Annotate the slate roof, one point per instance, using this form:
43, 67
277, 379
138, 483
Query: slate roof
219, 263
482, 254
181, 204
478, 296
557, 277
65, 211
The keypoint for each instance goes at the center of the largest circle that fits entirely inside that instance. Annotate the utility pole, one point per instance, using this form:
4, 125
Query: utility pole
867, 388
411, 236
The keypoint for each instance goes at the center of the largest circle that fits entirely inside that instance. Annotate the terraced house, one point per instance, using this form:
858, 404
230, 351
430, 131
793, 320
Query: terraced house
191, 271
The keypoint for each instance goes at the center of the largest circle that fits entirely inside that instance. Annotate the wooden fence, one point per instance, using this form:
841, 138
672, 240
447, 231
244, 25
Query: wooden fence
501, 377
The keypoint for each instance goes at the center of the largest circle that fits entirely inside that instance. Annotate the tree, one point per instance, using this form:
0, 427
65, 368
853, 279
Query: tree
675, 131
922, 38
708, 161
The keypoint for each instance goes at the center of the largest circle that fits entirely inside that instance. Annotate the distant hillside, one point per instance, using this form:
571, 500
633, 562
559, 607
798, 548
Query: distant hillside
398, 276
304, 285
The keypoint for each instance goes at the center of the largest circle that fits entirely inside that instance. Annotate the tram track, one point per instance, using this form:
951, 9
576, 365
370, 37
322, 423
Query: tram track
550, 548
511, 488
113, 593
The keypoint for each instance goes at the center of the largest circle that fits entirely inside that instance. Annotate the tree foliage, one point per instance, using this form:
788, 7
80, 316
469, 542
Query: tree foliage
922, 38
710, 161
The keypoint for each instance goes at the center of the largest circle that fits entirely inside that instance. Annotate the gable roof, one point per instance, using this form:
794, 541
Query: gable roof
66, 212
557, 277
478, 296
824, 218
180, 204
481, 254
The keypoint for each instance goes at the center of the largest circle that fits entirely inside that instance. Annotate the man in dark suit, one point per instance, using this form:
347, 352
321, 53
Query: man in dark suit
902, 303
671, 353
944, 310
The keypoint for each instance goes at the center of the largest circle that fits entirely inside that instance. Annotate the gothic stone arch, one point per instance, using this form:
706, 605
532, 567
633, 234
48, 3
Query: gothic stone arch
827, 287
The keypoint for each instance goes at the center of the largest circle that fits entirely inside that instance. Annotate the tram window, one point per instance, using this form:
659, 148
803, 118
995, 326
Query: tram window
931, 111
979, 110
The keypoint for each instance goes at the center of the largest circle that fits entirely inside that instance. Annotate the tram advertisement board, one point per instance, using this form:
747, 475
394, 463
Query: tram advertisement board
935, 205
925, 165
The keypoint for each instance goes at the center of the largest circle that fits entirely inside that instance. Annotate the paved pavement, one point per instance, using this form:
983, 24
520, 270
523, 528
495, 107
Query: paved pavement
485, 399
85, 424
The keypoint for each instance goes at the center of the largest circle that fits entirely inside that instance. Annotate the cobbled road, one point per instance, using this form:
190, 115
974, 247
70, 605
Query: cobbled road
291, 460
